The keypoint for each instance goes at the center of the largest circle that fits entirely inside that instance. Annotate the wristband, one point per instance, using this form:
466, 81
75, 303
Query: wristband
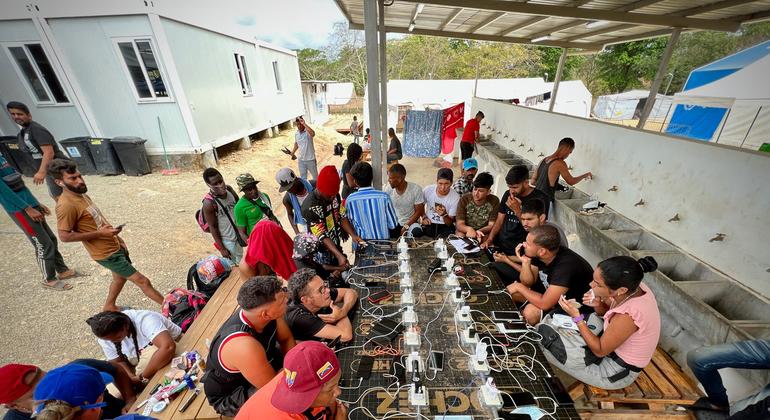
577, 319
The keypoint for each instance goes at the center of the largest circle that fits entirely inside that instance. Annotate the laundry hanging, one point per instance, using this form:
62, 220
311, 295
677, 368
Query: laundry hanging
422, 133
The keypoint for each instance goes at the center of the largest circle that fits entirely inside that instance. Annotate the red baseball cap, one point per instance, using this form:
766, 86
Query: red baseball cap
328, 181
12, 385
306, 368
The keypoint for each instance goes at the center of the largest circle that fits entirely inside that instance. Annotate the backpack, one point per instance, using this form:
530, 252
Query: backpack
339, 149
183, 306
204, 225
206, 275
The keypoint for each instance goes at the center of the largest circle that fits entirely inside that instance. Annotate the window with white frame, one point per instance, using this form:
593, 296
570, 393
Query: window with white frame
277, 76
243, 74
143, 69
37, 71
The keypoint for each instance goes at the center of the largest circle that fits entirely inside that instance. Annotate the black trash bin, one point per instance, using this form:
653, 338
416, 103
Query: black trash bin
105, 159
132, 155
20, 160
79, 150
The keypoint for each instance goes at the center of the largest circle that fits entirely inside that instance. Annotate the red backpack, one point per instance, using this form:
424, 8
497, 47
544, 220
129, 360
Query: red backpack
204, 225
183, 306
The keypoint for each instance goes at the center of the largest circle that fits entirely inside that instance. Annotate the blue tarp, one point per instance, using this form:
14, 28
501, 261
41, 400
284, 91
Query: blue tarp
695, 122
422, 133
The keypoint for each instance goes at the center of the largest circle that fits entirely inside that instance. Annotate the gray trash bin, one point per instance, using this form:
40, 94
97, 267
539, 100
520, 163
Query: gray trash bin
79, 150
132, 155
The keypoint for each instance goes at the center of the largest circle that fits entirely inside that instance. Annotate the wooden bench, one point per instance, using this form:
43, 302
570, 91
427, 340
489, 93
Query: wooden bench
203, 330
656, 393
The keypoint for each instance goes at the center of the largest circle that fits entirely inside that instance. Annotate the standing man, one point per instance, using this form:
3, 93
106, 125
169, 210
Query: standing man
325, 216
244, 354
317, 311
470, 136
219, 212
369, 210
552, 167
252, 207
355, 129
29, 215
440, 206
464, 183
406, 197
477, 210
79, 220
297, 190
303, 141
38, 142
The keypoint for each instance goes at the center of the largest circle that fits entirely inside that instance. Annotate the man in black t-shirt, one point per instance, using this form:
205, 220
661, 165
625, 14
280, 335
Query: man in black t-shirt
37, 141
548, 271
318, 312
507, 231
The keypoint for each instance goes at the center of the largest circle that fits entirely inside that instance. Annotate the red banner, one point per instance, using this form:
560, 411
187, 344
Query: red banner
453, 119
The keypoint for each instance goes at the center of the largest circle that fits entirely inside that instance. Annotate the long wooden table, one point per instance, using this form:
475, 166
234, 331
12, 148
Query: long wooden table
217, 310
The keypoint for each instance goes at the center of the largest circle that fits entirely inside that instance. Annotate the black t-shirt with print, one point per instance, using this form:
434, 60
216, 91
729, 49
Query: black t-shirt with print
512, 232
31, 137
568, 269
305, 325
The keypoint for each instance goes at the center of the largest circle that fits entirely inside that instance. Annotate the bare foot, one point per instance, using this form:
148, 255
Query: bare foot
111, 308
67, 274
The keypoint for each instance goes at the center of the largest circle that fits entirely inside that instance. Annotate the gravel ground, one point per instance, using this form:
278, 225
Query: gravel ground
47, 328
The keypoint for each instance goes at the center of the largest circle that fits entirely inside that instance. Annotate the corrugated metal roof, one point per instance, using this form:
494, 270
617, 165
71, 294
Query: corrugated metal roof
582, 24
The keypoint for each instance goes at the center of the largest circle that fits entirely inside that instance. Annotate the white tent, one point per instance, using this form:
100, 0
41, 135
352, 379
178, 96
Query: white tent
628, 105
573, 98
339, 93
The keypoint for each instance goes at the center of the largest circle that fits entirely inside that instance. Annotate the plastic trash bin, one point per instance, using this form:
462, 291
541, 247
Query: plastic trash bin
21, 160
105, 159
132, 155
80, 152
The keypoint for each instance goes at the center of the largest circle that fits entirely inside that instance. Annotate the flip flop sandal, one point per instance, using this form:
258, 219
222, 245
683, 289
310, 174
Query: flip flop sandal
59, 286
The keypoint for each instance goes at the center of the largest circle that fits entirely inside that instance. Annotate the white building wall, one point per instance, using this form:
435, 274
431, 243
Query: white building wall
713, 188
88, 46
285, 104
63, 120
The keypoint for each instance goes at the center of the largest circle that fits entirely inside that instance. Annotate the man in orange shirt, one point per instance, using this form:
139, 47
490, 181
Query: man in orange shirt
470, 135
307, 388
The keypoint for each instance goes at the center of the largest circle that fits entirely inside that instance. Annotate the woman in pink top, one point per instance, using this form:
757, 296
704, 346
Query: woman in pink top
630, 323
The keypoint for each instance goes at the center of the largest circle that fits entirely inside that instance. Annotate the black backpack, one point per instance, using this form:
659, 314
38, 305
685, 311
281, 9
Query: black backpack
194, 282
339, 149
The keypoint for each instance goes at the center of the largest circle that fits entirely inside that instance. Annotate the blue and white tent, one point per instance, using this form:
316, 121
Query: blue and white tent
727, 101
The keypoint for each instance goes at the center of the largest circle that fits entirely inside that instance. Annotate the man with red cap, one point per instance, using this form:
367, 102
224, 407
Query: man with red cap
307, 388
325, 216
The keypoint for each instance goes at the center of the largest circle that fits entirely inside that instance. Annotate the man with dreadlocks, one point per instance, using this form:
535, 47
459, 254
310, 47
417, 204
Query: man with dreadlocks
124, 335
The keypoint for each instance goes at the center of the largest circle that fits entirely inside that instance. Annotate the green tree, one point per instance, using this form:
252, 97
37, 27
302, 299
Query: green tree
313, 65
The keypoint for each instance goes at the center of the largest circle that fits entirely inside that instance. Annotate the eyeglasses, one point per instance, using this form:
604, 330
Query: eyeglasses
323, 287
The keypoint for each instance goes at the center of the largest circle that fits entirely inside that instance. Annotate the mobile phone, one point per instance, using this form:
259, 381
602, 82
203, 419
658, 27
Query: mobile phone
558, 390
506, 316
436, 263
497, 350
521, 251
523, 399
436, 360
365, 367
512, 326
513, 416
120, 226
372, 284
380, 296
332, 344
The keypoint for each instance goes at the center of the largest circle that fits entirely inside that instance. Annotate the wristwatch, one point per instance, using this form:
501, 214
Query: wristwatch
578, 319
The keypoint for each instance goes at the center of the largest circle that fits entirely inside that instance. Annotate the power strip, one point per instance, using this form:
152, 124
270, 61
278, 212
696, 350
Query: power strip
418, 399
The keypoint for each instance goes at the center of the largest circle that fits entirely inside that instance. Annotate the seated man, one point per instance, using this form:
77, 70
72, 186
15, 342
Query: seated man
304, 256
244, 354
440, 206
548, 271
318, 312
532, 215
406, 197
307, 388
477, 210
464, 183
705, 363
18, 382
370, 211
508, 231
269, 252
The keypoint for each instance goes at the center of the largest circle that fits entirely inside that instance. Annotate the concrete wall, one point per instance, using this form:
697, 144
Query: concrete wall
63, 120
89, 49
714, 189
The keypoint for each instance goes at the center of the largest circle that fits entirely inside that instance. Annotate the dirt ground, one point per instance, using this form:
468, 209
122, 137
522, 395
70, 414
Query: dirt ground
48, 328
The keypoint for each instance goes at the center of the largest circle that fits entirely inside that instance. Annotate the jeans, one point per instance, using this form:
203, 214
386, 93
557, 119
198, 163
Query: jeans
236, 250
307, 165
356, 137
705, 363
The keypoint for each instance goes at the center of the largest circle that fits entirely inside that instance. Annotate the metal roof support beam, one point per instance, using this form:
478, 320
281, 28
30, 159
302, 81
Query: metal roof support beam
372, 87
383, 91
522, 25
481, 37
487, 21
599, 32
590, 14
451, 17
557, 80
639, 37
662, 68
711, 7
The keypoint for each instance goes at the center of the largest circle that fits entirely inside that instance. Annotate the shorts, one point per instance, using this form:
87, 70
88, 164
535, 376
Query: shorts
119, 263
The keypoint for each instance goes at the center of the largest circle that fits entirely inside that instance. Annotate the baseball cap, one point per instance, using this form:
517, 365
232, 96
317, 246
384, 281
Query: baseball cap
77, 385
12, 385
245, 179
328, 182
306, 368
470, 163
285, 177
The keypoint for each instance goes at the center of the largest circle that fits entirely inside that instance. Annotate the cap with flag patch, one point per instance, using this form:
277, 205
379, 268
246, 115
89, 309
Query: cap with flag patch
306, 368
285, 177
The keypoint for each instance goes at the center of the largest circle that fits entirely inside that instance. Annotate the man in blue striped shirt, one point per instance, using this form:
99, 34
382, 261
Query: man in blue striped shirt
370, 211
